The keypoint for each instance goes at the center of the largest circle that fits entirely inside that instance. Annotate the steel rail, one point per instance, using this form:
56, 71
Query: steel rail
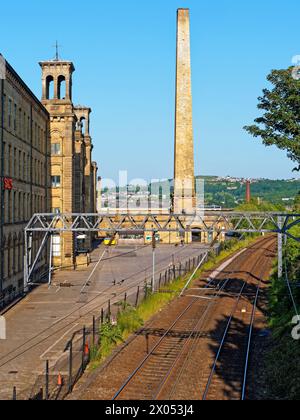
133, 374
129, 379
243, 257
250, 334
116, 297
222, 342
244, 388
245, 378
200, 322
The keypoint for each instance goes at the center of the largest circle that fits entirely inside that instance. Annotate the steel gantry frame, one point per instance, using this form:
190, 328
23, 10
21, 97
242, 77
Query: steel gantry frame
209, 222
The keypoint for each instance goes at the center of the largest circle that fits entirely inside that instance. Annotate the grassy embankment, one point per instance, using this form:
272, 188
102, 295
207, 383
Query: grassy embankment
282, 368
131, 319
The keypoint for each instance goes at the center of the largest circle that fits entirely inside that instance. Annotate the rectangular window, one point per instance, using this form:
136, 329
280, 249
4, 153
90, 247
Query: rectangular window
28, 129
56, 246
21, 163
4, 107
9, 112
24, 126
20, 122
55, 181
55, 149
55, 210
15, 163
15, 117
24, 166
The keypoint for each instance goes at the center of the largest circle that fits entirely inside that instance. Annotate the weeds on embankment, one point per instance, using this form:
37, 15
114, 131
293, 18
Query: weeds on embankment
130, 319
282, 370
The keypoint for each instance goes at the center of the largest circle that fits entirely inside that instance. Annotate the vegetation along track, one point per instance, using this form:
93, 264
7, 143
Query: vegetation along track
205, 352
93, 306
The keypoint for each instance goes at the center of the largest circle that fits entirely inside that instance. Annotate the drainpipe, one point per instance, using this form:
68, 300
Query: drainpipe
2, 189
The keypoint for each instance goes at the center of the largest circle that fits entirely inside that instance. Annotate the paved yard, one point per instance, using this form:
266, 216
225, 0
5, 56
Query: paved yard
39, 327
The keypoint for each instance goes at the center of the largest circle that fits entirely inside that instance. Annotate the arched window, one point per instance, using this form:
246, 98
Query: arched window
49, 87
61, 87
83, 124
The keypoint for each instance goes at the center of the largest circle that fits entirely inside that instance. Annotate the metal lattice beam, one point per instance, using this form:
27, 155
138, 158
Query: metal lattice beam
208, 222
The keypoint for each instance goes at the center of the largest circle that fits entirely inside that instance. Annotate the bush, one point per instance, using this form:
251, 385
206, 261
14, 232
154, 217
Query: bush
129, 320
110, 336
282, 367
283, 370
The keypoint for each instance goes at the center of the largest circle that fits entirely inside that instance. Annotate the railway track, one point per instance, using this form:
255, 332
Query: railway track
161, 358
229, 367
111, 294
162, 373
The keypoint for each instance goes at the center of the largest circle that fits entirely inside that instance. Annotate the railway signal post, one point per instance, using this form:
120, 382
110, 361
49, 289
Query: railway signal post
153, 257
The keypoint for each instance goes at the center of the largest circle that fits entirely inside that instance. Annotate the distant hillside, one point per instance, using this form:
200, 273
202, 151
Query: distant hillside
230, 192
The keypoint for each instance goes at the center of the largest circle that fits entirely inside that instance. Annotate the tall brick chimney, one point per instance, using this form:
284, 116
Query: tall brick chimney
248, 191
184, 171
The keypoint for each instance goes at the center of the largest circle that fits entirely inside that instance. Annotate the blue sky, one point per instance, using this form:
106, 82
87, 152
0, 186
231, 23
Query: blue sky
124, 54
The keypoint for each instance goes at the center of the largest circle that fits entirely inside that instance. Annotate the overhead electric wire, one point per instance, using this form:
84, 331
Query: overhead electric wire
290, 291
53, 325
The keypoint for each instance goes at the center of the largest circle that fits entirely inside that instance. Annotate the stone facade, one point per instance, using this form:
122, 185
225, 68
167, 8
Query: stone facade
45, 166
184, 176
72, 169
24, 161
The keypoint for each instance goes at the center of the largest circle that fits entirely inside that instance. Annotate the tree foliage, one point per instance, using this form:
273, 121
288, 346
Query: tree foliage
280, 106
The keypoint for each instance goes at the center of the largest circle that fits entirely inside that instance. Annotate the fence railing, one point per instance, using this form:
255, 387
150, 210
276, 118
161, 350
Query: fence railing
58, 381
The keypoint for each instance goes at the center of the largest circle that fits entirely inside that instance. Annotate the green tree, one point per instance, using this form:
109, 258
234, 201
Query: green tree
280, 105
297, 203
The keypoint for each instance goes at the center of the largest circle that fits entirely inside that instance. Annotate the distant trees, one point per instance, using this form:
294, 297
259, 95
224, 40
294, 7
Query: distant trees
279, 124
263, 207
297, 203
230, 195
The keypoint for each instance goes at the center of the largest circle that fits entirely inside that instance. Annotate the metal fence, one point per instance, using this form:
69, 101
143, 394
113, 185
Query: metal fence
58, 380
